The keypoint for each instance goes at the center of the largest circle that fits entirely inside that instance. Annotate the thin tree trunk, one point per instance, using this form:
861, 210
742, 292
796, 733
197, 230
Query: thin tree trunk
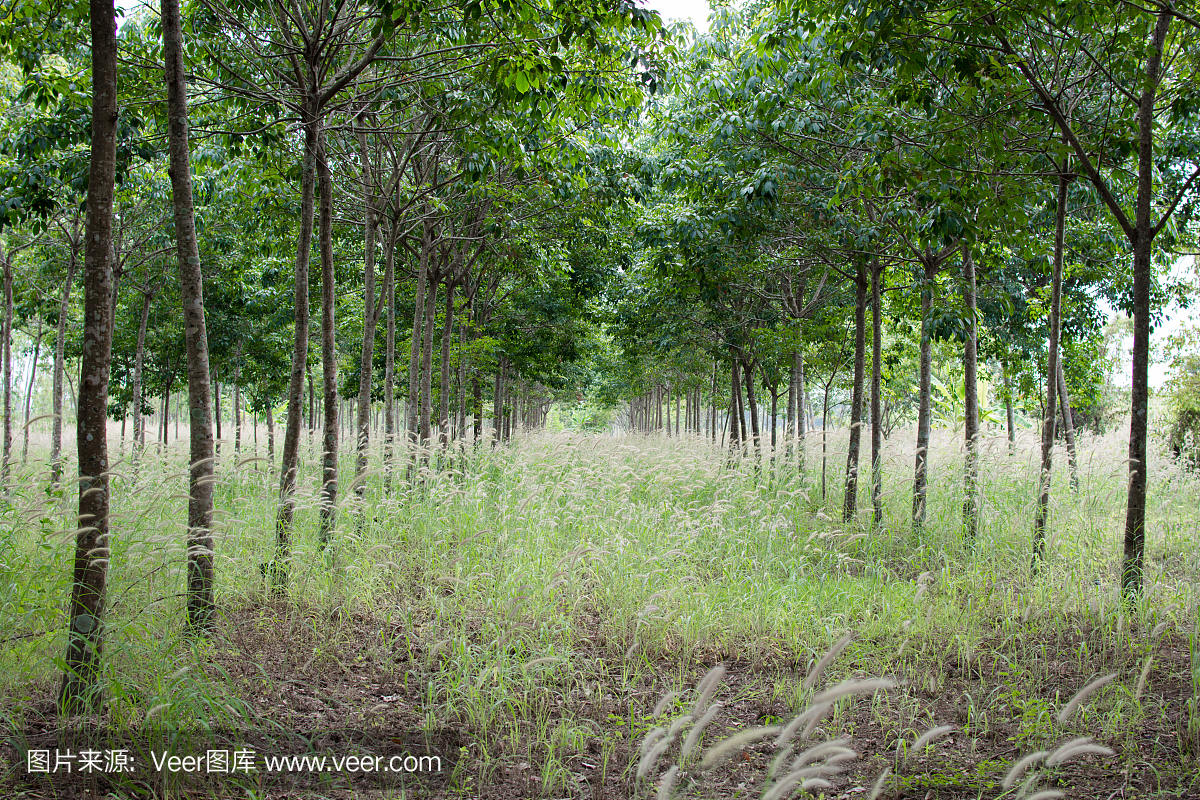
801, 416
1064, 404
37, 348
444, 387
426, 410
81, 689
389, 364
370, 318
139, 360
7, 355
971, 401
413, 397
1052, 367
329, 365
59, 366
752, 404
237, 399
289, 465
876, 388
850, 499
1008, 409
921, 473
271, 435
735, 407
825, 436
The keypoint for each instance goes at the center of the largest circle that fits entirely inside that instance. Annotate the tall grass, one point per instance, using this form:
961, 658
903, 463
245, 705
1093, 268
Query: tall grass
543, 596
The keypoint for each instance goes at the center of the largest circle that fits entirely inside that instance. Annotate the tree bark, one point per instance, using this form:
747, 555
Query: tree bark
139, 358
370, 318
444, 386
1052, 367
921, 473
876, 389
1008, 409
59, 366
37, 349
81, 688
413, 397
191, 282
426, 410
1064, 404
289, 465
971, 401
389, 364
850, 499
7, 355
329, 366
237, 399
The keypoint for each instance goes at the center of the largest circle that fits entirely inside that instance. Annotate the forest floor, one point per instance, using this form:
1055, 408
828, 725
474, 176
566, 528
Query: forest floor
545, 620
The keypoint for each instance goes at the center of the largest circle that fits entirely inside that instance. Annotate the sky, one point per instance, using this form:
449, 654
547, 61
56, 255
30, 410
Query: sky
695, 10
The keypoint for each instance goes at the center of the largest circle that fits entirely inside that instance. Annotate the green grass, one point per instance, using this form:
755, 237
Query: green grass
540, 599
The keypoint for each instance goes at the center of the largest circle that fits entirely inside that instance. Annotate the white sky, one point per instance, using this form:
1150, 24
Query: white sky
695, 10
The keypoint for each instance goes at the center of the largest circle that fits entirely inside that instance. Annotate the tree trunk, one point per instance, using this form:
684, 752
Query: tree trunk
850, 500
289, 465
389, 364
139, 358
876, 388
752, 403
216, 384
59, 366
413, 397
1143, 278
1008, 409
921, 473
444, 386
237, 399
1052, 367
370, 318
202, 447
329, 365
497, 404
825, 435
81, 688
1064, 404
37, 349
6, 459
801, 416
736, 433
270, 435
430, 300
971, 401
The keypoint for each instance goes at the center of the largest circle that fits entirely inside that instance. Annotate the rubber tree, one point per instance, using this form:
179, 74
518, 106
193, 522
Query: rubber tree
81, 689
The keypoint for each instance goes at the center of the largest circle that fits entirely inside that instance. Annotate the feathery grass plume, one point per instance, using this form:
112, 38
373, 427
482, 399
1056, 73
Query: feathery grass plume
778, 761
707, 686
820, 750
790, 729
1076, 747
153, 712
652, 736
1014, 772
667, 783
927, 737
1158, 629
528, 665
815, 783
697, 730
1082, 695
662, 704
651, 756
1046, 794
1141, 684
878, 787
717, 752
825, 700
825, 661
677, 725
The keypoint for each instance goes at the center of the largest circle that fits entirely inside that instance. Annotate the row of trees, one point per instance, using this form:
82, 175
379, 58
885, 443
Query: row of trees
498, 191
